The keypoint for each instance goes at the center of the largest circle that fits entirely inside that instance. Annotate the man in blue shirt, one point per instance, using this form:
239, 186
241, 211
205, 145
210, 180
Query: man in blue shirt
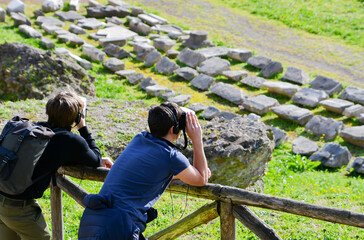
143, 171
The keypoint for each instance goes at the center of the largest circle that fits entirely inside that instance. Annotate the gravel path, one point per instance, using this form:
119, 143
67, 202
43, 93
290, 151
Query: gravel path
293, 48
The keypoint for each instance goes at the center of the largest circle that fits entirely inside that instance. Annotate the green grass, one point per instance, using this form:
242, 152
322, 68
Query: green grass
341, 19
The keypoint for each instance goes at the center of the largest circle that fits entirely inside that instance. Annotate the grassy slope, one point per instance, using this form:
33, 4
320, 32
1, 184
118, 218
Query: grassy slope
340, 19
317, 186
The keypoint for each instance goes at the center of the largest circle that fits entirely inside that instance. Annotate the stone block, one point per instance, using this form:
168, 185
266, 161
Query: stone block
70, 16
20, 19
327, 128
336, 105
180, 100
296, 75
210, 52
90, 23
166, 66
259, 61
329, 85
197, 107
229, 92
253, 81
94, 3
172, 53
152, 58
353, 111
140, 27
332, 155
94, 53
210, 112
29, 31
309, 97
260, 104
119, 41
15, 6
147, 82
357, 165
190, 58
272, 69
353, 135
241, 55
116, 51
135, 78
49, 21
114, 64
235, 75
293, 113
303, 146
198, 39
75, 5
157, 90
203, 82
125, 73
214, 66
107, 11
47, 43
283, 88
279, 136
163, 44
52, 5
76, 29
186, 73
2, 15
353, 94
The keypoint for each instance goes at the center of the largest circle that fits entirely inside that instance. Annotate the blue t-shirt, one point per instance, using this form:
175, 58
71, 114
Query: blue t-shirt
141, 174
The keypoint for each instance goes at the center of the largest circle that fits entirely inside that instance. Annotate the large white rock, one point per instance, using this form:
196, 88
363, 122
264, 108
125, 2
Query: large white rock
52, 5
16, 6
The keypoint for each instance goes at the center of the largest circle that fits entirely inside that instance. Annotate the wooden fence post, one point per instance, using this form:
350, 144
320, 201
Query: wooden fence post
227, 221
254, 223
57, 213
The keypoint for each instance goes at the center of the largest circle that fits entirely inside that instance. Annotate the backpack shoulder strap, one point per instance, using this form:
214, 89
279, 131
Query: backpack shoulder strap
7, 130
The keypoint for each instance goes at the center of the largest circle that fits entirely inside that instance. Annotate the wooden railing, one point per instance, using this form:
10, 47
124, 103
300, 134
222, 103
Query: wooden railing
229, 204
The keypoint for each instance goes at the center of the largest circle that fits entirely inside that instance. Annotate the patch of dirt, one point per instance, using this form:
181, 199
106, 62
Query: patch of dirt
113, 123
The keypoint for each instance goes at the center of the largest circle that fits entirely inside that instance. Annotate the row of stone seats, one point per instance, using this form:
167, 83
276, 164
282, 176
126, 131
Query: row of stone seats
209, 64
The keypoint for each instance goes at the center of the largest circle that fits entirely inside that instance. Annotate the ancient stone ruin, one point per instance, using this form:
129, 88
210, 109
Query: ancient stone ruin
28, 72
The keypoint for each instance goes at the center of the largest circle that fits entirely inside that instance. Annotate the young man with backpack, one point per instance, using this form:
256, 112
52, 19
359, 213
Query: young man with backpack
142, 173
20, 215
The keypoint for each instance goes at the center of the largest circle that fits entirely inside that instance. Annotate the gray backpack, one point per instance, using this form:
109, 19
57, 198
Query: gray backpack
22, 143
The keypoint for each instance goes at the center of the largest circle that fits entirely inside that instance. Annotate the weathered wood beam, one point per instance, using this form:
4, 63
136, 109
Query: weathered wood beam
254, 223
71, 188
203, 215
57, 213
227, 221
243, 197
81, 172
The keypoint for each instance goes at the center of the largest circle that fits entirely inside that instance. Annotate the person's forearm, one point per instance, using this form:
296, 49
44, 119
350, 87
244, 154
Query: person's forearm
199, 159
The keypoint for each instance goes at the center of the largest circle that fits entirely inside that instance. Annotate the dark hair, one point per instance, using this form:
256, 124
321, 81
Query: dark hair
160, 120
63, 109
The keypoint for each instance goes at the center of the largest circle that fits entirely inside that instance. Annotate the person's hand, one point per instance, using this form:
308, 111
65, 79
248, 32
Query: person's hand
82, 123
208, 173
106, 162
193, 128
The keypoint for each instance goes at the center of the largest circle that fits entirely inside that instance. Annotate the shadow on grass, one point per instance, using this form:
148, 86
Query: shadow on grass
283, 124
220, 100
353, 174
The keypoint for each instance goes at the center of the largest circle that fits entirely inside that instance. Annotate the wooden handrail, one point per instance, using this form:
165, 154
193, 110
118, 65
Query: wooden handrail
239, 196
229, 204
